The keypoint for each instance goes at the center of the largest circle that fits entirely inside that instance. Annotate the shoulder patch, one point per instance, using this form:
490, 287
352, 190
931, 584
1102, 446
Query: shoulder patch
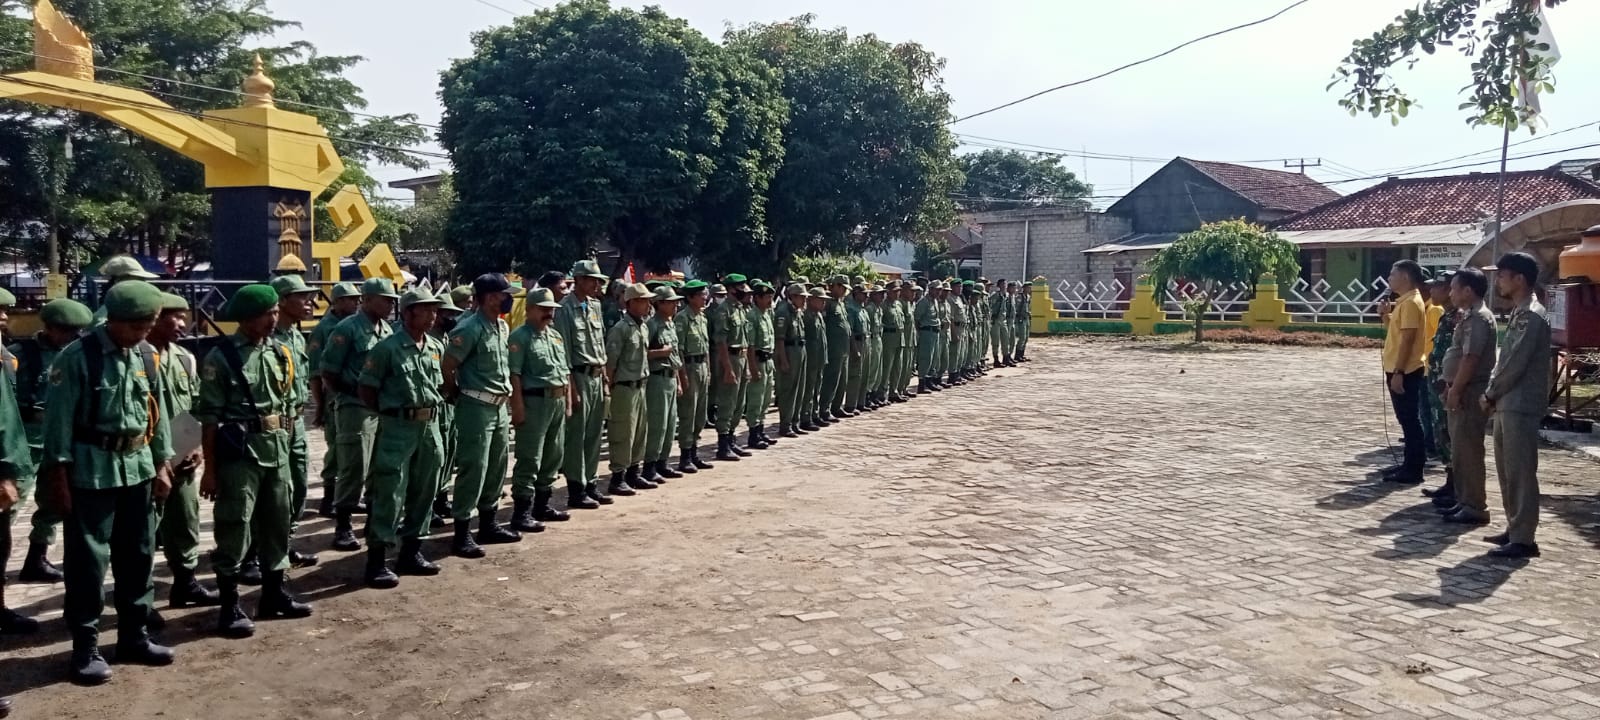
338, 339
55, 376
515, 347
209, 372
457, 340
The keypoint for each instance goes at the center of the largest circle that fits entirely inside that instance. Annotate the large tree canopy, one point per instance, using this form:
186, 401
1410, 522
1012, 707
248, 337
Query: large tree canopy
867, 155
121, 192
1502, 45
1008, 179
585, 123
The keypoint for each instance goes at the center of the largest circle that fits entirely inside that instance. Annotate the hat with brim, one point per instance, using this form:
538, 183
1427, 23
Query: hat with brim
173, 303
418, 297
344, 290
838, 280
379, 287
795, 288
636, 291
287, 285
665, 293
589, 269
818, 293
719, 289
6, 298
446, 306
125, 266
543, 297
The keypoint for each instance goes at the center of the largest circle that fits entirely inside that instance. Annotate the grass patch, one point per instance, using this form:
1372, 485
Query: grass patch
1244, 336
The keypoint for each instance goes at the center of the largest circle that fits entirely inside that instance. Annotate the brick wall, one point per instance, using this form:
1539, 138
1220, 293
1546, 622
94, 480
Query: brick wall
1056, 241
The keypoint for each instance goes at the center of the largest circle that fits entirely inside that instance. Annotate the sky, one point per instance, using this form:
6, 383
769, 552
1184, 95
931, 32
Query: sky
1254, 95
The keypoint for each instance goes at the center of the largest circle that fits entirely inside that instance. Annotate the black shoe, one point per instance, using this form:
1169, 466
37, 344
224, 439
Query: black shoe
1448, 488
491, 532
464, 546
276, 602
787, 431
437, 521
809, 427
344, 535
88, 667
442, 506
619, 486
325, 508
231, 620
633, 479
1445, 501
412, 561
302, 560
754, 441
1501, 539
1452, 509
733, 445
1515, 550
13, 624
647, 471
522, 516
724, 449
1462, 517
143, 652
153, 622
36, 568
363, 507
761, 432
542, 511
596, 494
695, 458
250, 570
188, 592
578, 498
1403, 479
379, 576
665, 470
686, 463
5, 707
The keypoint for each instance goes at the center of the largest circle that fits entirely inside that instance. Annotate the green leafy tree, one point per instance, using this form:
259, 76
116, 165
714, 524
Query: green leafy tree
818, 268
1501, 45
1009, 179
587, 123
121, 192
931, 258
1219, 254
868, 157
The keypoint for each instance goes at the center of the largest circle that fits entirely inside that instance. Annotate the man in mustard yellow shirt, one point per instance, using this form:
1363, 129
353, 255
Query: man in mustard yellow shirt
1403, 361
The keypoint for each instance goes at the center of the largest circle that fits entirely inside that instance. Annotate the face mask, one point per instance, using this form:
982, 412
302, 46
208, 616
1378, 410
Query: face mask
505, 305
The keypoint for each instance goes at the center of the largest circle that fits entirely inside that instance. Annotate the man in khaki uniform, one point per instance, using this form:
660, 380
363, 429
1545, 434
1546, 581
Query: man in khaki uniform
1518, 395
1468, 364
582, 326
665, 386
627, 364
539, 411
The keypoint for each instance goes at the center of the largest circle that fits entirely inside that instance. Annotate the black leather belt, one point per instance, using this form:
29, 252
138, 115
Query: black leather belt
664, 372
858, 337
110, 443
695, 359
418, 414
926, 328
794, 343
763, 355
592, 370
550, 391
735, 348
31, 415
630, 383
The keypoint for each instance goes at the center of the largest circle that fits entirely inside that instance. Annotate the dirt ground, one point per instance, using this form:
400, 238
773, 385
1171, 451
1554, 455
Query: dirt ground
1112, 531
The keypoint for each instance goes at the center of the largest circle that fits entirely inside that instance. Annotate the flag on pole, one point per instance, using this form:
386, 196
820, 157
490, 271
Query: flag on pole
1527, 91
627, 275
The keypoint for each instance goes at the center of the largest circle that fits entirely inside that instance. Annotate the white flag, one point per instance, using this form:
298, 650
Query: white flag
1527, 94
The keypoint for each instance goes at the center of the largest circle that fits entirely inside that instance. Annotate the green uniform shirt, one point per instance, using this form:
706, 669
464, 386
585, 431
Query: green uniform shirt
837, 324
958, 311
816, 333
127, 408
908, 323
406, 374
268, 367
730, 325
1521, 378
347, 349
538, 358
857, 319
662, 334
693, 332
582, 325
627, 347
180, 380
763, 335
33, 380
319, 341
16, 461
789, 325
1022, 311
874, 316
929, 313
295, 340
479, 345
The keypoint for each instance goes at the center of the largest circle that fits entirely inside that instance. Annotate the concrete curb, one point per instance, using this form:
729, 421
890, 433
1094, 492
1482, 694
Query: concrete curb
1584, 444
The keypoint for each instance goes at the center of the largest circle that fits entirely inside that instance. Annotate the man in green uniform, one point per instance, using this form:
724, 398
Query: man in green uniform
813, 408
929, 317
539, 373
694, 340
116, 269
107, 444
893, 321
63, 320
954, 357
910, 293
178, 519
730, 333
477, 378
582, 326
247, 389
16, 476
1000, 324
342, 359
401, 381
1518, 395
296, 304
763, 344
835, 374
719, 299
345, 299
1021, 319
789, 327
665, 386
856, 316
879, 317
445, 318
628, 356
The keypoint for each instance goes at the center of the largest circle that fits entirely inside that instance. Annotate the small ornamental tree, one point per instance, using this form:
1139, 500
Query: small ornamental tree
1220, 253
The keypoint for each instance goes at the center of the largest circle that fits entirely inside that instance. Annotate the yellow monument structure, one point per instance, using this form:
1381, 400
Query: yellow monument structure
265, 166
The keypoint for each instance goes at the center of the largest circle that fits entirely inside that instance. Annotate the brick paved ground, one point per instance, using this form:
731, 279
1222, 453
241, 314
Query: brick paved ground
1114, 531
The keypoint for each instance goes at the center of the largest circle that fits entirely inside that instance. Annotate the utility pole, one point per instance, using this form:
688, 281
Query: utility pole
55, 285
1303, 163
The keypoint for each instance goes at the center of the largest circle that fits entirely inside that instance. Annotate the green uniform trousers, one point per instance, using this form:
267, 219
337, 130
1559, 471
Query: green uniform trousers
299, 471
538, 443
405, 475
625, 426
811, 405
758, 396
580, 456
941, 354
661, 415
831, 399
252, 512
483, 434
855, 378
1020, 336
909, 365
928, 354
330, 457
1001, 347
358, 428
1516, 461
44, 520
693, 405
1467, 468
447, 443
893, 358
874, 368
730, 395
791, 385
178, 522
109, 529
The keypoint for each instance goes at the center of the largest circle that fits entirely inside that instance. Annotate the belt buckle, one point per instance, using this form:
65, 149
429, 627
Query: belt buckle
422, 414
270, 423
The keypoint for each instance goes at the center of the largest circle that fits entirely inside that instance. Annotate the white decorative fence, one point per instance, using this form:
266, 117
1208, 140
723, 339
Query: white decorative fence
1097, 300
1307, 302
1356, 302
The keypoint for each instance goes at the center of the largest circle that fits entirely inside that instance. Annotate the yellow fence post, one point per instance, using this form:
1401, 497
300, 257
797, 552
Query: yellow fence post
1143, 310
1043, 310
1267, 310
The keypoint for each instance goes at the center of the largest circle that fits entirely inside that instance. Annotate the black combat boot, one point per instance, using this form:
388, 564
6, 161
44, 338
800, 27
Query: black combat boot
276, 602
619, 487
648, 472
412, 561
250, 568
578, 498
441, 511
636, 481
344, 534
807, 426
137, 649
37, 568
753, 441
325, 508
464, 546
701, 464
188, 592
733, 445
542, 510
302, 560
231, 620
379, 576
665, 470
492, 533
522, 519
87, 665
761, 430
596, 494
788, 430
725, 449
686, 463
12, 623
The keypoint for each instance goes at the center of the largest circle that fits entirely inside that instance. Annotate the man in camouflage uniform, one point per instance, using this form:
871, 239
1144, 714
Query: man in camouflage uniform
694, 340
63, 320
1437, 385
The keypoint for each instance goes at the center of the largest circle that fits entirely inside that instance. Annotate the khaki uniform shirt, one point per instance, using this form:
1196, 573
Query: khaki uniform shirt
539, 358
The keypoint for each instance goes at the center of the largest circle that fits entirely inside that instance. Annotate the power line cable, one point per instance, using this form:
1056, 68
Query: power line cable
1133, 64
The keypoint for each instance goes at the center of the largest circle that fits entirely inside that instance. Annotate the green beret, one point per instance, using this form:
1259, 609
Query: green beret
6, 298
733, 279
171, 302
344, 290
286, 285
136, 300
67, 314
694, 285
250, 302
